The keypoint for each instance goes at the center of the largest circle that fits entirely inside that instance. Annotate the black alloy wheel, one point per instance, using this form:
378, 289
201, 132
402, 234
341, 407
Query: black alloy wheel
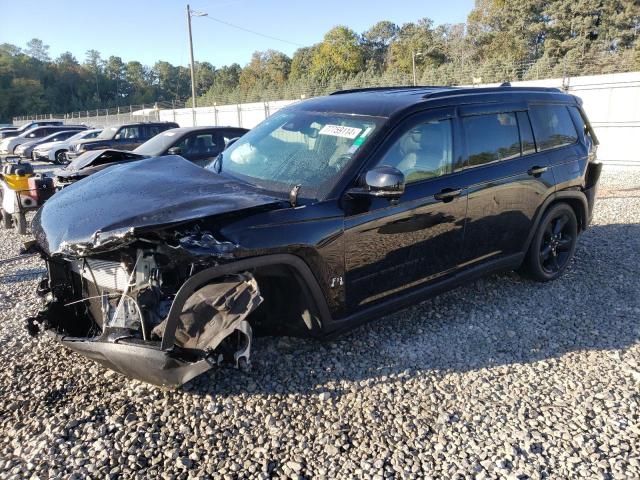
554, 243
61, 158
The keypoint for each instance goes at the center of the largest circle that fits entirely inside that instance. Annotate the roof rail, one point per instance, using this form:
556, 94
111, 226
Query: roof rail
376, 89
500, 89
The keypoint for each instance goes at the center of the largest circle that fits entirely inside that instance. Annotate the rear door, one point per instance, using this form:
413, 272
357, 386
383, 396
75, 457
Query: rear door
557, 137
508, 181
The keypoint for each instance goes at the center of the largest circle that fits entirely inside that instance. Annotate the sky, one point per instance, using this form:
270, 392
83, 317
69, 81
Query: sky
149, 31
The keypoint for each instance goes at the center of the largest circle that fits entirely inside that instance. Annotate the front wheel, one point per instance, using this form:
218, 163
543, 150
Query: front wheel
60, 157
553, 244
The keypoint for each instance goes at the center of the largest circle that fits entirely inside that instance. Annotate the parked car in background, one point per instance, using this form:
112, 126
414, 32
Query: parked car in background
26, 149
332, 211
199, 145
8, 145
27, 126
55, 151
122, 137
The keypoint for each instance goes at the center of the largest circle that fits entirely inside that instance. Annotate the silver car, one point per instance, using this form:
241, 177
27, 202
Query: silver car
55, 151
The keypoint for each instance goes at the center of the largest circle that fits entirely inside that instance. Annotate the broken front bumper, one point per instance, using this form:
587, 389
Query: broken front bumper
191, 340
142, 362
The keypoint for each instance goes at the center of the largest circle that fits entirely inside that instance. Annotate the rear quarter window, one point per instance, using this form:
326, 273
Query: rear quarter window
490, 138
552, 126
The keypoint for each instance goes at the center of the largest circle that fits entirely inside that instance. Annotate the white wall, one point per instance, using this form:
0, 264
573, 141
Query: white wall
246, 115
611, 101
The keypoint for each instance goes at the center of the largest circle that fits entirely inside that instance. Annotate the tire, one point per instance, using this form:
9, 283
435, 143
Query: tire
553, 244
60, 158
21, 223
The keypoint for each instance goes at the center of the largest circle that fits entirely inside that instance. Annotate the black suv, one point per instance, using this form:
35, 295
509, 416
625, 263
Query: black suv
122, 137
330, 212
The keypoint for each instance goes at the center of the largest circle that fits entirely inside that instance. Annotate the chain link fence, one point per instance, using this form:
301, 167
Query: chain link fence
246, 107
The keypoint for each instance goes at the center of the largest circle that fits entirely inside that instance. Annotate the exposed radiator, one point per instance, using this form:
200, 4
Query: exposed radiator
104, 273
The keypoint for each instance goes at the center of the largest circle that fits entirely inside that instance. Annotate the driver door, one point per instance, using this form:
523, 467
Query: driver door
394, 245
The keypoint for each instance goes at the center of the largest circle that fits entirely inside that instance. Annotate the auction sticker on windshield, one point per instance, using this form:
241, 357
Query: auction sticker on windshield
340, 131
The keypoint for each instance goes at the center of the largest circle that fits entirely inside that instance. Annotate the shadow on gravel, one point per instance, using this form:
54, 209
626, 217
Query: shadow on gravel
22, 275
499, 320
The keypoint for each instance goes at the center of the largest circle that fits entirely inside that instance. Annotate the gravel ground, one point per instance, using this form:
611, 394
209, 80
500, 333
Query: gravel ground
503, 378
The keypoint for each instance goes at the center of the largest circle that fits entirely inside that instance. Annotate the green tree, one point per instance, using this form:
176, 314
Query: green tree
38, 50
376, 43
340, 53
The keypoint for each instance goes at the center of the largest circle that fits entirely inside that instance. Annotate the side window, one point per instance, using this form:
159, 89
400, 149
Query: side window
552, 126
203, 144
424, 151
128, 133
491, 137
581, 126
526, 134
152, 131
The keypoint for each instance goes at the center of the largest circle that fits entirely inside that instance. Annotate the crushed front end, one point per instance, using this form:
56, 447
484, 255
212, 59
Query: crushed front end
132, 255
114, 306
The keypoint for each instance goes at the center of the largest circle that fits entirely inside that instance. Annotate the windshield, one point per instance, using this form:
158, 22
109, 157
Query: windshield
158, 144
295, 147
108, 133
78, 136
62, 135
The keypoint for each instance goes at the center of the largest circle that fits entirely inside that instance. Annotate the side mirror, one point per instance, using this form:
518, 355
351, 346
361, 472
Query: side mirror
231, 142
174, 151
384, 181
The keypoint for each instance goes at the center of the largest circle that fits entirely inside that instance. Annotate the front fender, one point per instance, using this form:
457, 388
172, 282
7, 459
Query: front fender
205, 276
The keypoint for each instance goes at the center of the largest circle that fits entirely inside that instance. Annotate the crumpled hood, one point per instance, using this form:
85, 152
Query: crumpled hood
93, 157
152, 192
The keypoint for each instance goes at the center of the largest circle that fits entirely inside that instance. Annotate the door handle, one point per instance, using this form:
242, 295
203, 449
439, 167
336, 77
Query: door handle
537, 170
447, 194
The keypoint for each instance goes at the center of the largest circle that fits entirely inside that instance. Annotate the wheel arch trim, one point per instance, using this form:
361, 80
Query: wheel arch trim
201, 278
572, 196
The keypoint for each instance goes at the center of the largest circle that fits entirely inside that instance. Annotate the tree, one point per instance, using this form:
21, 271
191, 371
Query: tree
205, 77
376, 43
38, 50
419, 38
339, 53
301, 62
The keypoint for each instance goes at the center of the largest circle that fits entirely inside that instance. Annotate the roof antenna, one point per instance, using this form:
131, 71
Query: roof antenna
293, 195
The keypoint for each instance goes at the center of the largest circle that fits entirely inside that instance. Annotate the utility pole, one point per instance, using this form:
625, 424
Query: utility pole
414, 54
193, 68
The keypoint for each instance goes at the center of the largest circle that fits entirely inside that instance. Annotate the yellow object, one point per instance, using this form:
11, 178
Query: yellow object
18, 182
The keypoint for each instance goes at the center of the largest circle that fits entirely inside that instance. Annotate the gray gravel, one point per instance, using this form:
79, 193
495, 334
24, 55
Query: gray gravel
503, 378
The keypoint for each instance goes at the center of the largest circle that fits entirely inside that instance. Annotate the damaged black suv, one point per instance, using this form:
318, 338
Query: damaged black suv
332, 211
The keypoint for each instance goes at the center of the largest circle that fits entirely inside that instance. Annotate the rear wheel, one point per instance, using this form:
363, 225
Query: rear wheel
553, 245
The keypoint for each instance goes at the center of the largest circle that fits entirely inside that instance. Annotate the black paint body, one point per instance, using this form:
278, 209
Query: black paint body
358, 258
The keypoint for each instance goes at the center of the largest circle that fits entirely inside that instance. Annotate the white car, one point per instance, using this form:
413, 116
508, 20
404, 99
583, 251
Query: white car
55, 151
8, 145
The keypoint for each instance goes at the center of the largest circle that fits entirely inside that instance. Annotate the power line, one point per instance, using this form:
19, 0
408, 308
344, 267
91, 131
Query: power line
224, 22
